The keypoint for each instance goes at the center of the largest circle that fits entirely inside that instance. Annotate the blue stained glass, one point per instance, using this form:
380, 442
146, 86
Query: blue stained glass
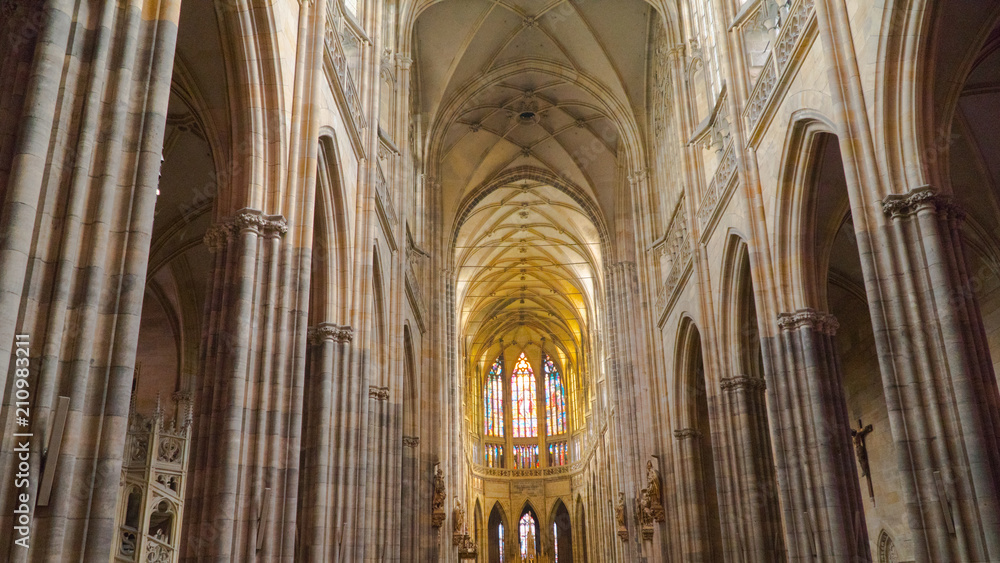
493, 400
555, 398
522, 384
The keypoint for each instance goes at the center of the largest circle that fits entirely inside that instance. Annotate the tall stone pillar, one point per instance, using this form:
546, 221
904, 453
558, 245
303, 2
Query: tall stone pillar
317, 510
237, 489
817, 473
757, 525
942, 391
696, 543
78, 178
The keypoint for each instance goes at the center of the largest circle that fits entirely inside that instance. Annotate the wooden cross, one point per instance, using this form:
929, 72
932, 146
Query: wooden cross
862, 453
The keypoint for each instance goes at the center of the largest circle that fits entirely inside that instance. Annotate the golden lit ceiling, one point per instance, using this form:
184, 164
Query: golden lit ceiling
525, 105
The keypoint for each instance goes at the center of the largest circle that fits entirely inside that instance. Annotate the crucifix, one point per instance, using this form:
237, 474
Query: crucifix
861, 451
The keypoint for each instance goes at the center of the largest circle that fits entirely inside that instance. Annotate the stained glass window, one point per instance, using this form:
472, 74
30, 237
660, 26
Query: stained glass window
558, 453
493, 399
522, 385
529, 543
555, 398
500, 538
494, 455
526, 457
555, 541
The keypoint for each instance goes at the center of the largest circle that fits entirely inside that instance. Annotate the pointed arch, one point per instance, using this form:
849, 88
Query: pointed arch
581, 525
380, 350
529, 531
562, 533
332, 281
555, 398
493, 400
693, 440
524, 399
477, 524
795, 211
498, 531
253, 67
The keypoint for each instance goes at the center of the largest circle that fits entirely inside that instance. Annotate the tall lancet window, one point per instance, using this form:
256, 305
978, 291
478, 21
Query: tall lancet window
528, 529
522, 385
555, 399
493, 400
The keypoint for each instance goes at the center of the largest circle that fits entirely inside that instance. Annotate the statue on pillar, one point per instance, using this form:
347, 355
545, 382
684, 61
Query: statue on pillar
643, 514
437, 513
620, 517
653, 493
458, 517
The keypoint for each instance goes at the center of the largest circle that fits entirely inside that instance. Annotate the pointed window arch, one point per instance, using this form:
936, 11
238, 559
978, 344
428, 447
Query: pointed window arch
555, 399
527, 529
493, 400
523, 398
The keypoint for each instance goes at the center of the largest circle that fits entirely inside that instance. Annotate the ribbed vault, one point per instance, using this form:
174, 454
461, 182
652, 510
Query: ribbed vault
528, 258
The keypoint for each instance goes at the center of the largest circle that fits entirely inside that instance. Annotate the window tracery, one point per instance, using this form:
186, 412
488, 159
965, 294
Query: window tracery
493, 400
555, 399
523, 395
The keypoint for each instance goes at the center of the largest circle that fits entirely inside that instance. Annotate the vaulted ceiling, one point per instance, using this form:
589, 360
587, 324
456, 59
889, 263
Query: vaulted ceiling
527, 105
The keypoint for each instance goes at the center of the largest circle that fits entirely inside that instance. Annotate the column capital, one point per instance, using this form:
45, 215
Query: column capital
685, 433
740, 382
254, 220
378, 393
810, 318
330, 331
411, 441
217, 236
919, 199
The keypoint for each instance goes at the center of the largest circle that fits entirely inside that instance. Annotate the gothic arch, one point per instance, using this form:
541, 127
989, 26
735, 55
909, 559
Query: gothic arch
581, 525
498, 519
562, 524
330, 247
795, 213
928, 49
529, 509
379, 344
733, 284
688, 366
252, 60
694, 448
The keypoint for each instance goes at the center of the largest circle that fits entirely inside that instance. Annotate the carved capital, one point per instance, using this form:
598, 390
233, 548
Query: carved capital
685, 433
378, 393
741, 382
256, 221
919, 199
217, 236
637, 176
330, 331
820, 322
411, 441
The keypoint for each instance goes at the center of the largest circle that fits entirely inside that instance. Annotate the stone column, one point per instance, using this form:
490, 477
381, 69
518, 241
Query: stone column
376, 514
236, 483
941, 390
693, 501
817, 473
756, 512
78, 179
412, 500
318, 532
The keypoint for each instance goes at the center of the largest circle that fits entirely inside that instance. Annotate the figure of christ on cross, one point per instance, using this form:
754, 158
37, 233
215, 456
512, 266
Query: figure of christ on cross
861, 450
